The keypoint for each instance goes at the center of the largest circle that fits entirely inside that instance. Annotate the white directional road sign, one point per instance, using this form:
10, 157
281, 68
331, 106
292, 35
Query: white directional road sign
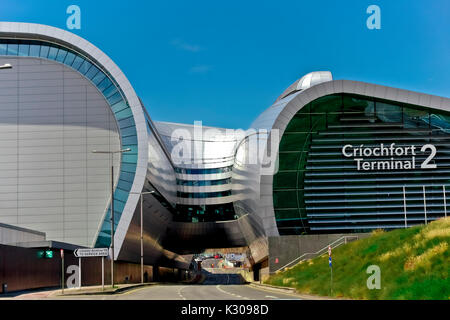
95, 252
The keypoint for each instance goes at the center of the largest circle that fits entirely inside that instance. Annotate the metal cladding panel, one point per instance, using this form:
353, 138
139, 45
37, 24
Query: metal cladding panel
51, 182
196, 151
128, 113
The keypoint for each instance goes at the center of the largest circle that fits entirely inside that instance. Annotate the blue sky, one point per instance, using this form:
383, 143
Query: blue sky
224, 62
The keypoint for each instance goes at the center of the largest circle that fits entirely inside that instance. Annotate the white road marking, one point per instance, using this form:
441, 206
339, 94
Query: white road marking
232, 294
179, 293
272, 297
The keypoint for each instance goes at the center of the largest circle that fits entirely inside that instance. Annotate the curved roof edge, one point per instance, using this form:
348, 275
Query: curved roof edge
78, 44
307, 81
280, 114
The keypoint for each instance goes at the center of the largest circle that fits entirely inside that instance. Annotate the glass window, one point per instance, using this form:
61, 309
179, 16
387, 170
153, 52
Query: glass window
201, 183
44, 51
285, 199
52, 53
126, 157
85, 66
77, 62
203, 195
125, 123
13, 49
109, 91
92, 72
129, 140
125, 184
119, 106
24, 50
415, 118
294, 141
119, 205
120, 195
330, 103
61, 55
35, 50
114, 98
104, 84
99, 77
287, 214
200, 171
440, 121
128, 131
128, 167
127, 176
288, 160
3, 49
299, 123
123, 114
285, 180
69, 58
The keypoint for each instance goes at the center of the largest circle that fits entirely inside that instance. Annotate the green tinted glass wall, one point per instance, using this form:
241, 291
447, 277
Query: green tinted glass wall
317, 189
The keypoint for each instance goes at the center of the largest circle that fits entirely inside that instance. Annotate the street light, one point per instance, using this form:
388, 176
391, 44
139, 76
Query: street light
112, 205
142, 230
6, 66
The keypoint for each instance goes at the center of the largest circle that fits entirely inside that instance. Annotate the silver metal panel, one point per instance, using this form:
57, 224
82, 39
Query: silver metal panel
62, 37
47, 155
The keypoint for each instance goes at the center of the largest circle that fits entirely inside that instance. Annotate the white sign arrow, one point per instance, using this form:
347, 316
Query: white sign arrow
95, 252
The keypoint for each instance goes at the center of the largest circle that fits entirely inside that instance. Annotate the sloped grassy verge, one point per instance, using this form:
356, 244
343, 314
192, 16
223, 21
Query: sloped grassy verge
414, 264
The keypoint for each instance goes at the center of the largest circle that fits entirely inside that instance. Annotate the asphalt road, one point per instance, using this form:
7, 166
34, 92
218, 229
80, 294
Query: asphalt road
190, 292
223, 286
219, 284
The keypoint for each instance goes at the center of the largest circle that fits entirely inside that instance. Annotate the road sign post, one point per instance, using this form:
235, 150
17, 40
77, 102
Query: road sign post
62, 271
331, 270
103, 273
92, 253
79, 272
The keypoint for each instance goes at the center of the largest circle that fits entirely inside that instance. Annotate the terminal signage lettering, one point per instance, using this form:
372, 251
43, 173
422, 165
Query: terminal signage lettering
391, 156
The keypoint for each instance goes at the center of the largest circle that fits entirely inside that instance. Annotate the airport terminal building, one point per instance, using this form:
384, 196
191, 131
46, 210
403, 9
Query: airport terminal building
344, 157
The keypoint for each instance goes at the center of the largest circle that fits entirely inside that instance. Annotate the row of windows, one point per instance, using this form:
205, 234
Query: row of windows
203, 183
110, 90
205, 213
73, 60
203, 171
203, 195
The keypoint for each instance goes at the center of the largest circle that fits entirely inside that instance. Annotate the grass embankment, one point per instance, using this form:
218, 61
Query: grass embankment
414, 264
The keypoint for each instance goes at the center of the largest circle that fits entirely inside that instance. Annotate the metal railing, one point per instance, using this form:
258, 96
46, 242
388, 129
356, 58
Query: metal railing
334, 244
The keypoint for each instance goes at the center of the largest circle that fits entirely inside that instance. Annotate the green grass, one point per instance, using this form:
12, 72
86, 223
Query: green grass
414, 264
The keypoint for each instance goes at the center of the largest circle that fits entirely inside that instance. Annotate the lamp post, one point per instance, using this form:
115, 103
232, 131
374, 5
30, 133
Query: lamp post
142, 230
6, 66
112, 205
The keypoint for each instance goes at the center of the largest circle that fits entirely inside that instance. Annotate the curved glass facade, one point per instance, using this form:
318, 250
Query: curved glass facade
115, 98
203, 195
344, 161
205, 213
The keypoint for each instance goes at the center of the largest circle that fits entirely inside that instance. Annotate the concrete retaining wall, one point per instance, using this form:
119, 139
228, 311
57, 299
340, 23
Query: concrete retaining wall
284, 249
